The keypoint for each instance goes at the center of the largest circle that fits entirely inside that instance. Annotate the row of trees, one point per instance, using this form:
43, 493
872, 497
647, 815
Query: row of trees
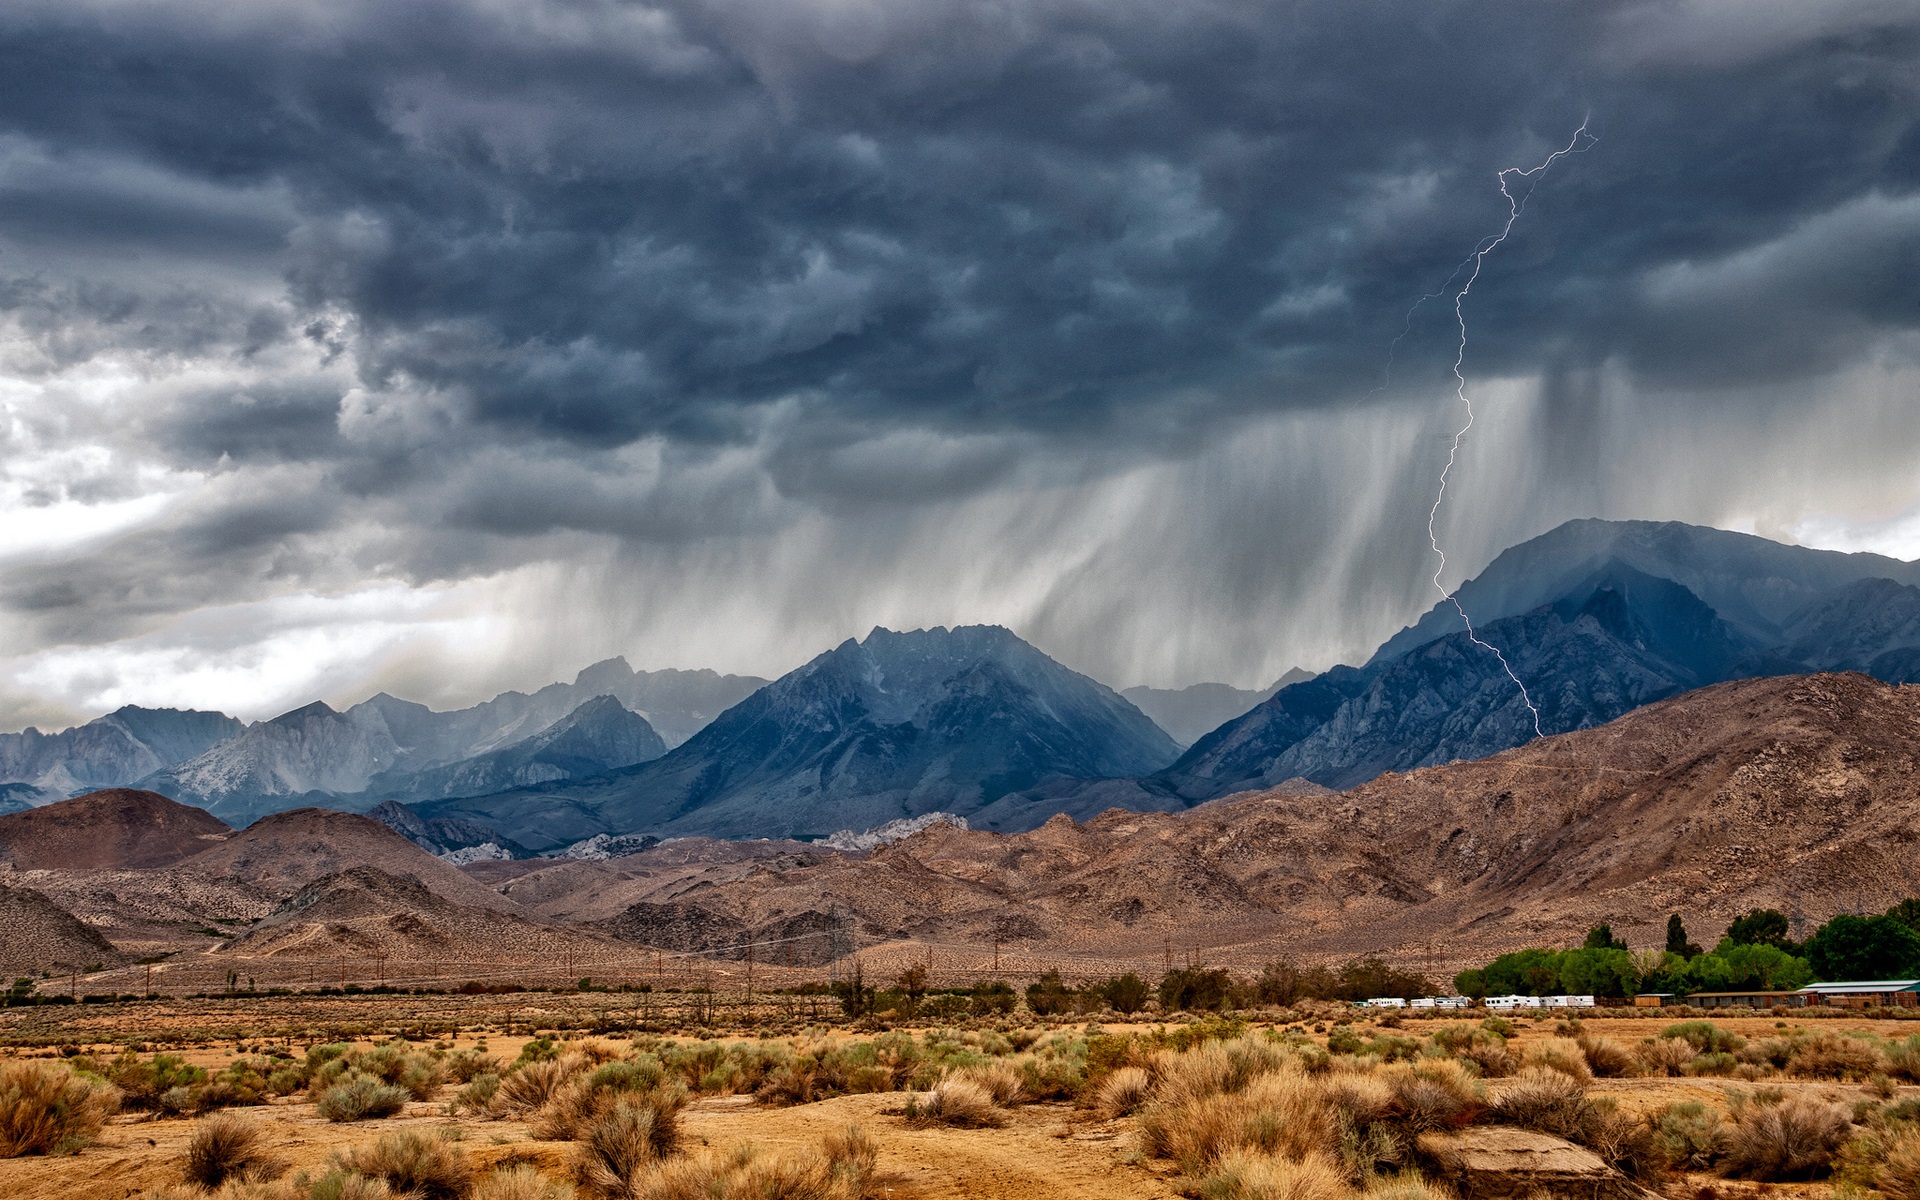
1756, 954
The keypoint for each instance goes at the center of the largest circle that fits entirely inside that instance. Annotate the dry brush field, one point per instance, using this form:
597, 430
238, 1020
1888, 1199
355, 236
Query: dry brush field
549, 1096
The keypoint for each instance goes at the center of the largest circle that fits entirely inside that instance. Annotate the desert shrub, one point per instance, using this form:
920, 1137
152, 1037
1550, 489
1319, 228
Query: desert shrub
519, 1182
1665, 1056
1690, 1136
1248, 1175
578, 1107
1903, 1058
1487, 1050
1563, 1055
1123, 1092
348, 1185
1829, 1056
359, 1097
1792, 1139
477, 1096
958, 1102
143, 1081
225, 1146
1606, 1057
1705, 1037
629, 1136
851, 1157
1437, 1094
1001, 1080
534, 1083
46, 1109
1898, 1175
464, 1066
1713, 1064
1545, 1101
424, 1165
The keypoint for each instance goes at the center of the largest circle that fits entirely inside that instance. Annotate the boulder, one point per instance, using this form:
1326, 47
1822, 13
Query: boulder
1496, 1163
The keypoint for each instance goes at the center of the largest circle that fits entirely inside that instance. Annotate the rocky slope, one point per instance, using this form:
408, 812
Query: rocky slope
363, 912
118, 827
893, 726
38, 935
284, 852
1794, 793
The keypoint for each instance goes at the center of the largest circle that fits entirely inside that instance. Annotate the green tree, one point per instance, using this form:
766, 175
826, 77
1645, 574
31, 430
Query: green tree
1125, 993
1523, 973
1851, 947
1471, 983
1600, 937
1195, 989
1737, 968
1598, 971
1907, 912
1047, 996
1677, 942
1761, 927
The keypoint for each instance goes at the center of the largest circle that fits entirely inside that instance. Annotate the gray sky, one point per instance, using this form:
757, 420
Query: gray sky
447, 346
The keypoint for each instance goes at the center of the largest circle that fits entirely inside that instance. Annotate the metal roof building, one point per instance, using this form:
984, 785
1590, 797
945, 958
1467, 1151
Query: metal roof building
1865, 993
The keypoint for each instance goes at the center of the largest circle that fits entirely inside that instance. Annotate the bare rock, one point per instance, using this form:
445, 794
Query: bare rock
1496, 1163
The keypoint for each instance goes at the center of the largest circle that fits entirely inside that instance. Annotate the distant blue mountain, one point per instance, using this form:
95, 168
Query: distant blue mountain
894, 726
109, 751
1596, 618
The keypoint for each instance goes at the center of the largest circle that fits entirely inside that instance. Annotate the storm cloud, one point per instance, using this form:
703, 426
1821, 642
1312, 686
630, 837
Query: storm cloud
450, 345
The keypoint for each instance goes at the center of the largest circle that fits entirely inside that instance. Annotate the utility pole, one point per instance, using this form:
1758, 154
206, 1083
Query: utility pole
749, 977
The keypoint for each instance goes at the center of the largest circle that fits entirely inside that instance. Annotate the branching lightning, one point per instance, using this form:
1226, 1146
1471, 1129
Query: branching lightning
1580, 142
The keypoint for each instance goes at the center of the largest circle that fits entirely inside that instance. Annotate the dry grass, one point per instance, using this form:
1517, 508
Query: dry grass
1563, 1055
1830, 1056
630, 1136
999, 1079
1796, 1138
1247, 1175
841, 1169
47, 1109
1437, 1094
431, 1167
533, 1085
227, 1146
520, 1182
956, 1101
1407, 1186
1606, 1057
1665, 1056
1898, 1175
1122, 1093
1545, 1101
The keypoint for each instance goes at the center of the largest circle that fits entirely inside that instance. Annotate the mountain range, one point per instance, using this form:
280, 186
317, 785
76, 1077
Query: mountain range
1794, 793
381, 749
1590, 621
895, 725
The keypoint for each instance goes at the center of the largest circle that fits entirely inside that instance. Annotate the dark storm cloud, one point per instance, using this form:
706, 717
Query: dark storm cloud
599, 222
430, 290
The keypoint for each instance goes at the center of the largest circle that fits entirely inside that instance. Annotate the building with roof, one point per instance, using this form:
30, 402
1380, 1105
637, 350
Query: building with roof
1866, 993
1748, 999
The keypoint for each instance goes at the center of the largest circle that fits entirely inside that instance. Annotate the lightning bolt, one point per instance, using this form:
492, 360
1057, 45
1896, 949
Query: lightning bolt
1579, 143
